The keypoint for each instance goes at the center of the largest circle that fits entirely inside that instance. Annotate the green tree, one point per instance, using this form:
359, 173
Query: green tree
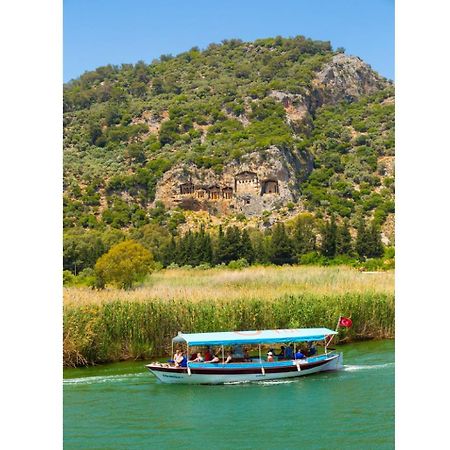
375, 246
95, 132
329, 235
123, 265
261, 245
203, 247
304, 234
281, 249
362, 239
247, 251
168, 252
233, 243
153, 237
344, 240
135, 152
81, 250
220, 250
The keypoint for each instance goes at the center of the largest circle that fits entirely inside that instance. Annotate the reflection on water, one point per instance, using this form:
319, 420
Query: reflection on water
123, 406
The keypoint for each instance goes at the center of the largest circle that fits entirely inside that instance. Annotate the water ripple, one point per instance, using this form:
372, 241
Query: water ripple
353, 368
104, 379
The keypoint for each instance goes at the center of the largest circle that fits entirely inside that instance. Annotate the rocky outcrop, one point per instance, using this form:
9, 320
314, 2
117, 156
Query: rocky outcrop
343, 78
346, 78
259, 181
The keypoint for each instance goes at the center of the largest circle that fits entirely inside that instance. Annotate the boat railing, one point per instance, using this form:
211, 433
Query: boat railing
256, 361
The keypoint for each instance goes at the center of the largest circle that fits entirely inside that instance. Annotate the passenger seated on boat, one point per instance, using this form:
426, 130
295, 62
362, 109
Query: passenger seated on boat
198, 358
281, 354
299, 354
312, 350
178, 358
288, 352
215, 359
184, 361
229, 358
246, 355
238, 352
208, 355
270, 357
181, 360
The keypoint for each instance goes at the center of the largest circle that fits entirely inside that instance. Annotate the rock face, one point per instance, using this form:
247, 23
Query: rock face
343, 78
263, 180
346, 78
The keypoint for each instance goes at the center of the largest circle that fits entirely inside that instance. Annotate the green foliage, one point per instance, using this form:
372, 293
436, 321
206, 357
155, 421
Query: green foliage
344, 166
81, 250
344, 244
329, 237
241, 263
123, 265
281, 251
368, 241
304, 234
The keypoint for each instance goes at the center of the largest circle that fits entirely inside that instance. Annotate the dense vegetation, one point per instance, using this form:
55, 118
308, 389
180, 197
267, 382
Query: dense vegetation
303, 240
207, 108
350, 143
127, 329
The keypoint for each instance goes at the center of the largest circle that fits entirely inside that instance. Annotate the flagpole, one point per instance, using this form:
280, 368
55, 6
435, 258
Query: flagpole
338, 322
332, 336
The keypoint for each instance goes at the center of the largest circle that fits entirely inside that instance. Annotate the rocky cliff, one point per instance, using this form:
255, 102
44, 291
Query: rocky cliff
259, 181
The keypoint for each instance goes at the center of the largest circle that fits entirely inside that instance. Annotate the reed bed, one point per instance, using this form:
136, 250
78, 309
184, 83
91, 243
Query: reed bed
263, 283
119, 325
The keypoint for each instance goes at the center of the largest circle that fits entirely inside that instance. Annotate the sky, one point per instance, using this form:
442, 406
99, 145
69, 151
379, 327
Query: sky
100, 32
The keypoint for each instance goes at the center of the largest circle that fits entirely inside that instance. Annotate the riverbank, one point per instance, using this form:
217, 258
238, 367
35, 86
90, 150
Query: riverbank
114, 325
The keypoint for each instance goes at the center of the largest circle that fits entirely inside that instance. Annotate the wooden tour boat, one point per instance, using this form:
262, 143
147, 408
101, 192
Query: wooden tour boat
243, 368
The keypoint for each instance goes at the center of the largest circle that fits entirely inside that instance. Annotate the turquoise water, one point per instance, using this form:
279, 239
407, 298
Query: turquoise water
122, 406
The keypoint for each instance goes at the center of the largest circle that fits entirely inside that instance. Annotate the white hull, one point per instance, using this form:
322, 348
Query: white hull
177, 377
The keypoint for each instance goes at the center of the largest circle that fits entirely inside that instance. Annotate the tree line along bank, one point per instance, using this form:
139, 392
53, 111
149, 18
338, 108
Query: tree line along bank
93, 257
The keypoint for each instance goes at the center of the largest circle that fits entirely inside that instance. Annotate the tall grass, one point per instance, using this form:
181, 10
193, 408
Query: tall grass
254, 282
121, 329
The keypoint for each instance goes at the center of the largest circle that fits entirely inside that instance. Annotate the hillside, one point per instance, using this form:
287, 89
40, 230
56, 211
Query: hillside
251, 133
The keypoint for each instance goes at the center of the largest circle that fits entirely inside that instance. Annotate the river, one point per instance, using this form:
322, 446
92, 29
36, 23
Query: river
122, 406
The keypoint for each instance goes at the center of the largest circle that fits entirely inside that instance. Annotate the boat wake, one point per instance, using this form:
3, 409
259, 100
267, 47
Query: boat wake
270, 382
104, 379
264, 383
354, 368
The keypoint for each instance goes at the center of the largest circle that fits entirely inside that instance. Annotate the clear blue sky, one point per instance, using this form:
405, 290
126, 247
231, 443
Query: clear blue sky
100, 32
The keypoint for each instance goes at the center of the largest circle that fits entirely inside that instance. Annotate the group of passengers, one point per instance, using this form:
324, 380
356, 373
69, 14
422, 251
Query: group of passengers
239, 354
288, 352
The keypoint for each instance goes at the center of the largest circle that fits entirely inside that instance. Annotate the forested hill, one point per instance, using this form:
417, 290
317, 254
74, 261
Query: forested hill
126, 128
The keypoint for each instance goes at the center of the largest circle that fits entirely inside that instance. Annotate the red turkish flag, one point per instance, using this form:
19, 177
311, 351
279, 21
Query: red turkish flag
345, 322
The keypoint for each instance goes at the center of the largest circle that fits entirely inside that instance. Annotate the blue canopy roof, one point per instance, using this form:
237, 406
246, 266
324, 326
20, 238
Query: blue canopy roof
255, 336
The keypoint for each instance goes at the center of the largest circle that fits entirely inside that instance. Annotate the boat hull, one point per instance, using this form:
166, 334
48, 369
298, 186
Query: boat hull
244, 373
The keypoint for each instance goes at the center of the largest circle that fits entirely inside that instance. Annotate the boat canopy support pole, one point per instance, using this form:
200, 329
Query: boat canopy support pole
223, 355
260, 360
187, 360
